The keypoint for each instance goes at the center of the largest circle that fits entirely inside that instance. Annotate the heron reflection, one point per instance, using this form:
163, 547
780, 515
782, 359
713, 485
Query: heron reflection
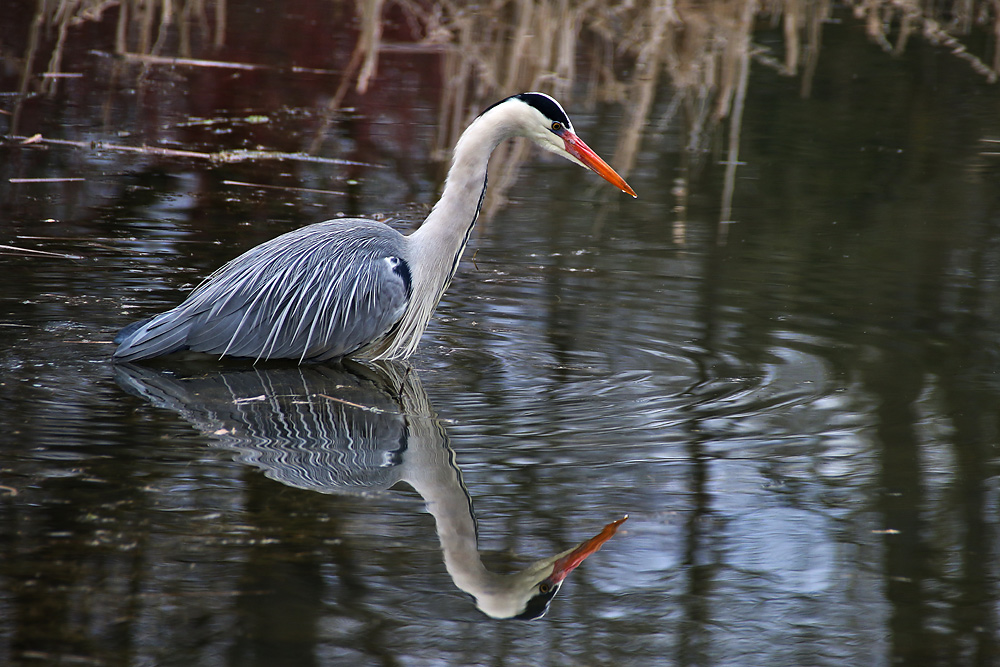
357, 429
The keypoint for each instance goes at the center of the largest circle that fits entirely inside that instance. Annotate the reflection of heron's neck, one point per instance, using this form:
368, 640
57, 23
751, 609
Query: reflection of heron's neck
432, 472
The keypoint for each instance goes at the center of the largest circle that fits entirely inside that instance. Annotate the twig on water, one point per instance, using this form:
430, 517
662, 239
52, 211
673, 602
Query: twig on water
282, 187
65, 179
199, 62
366, 408
217, 156
30, 251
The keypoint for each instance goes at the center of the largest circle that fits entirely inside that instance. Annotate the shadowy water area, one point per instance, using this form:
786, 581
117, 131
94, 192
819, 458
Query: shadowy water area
782, 361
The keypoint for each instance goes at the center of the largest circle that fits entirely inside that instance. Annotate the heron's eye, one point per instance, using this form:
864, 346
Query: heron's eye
557, 127
544, 587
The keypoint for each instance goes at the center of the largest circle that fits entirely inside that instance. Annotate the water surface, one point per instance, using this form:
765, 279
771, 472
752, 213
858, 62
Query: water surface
797, 408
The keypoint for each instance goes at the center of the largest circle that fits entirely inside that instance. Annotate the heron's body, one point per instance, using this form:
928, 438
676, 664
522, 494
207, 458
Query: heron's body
353, 287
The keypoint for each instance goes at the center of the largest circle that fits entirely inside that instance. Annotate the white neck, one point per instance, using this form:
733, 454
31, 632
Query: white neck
441, 239
456, 211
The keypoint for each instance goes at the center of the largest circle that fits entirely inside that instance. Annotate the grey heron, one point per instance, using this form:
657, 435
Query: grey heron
354, 287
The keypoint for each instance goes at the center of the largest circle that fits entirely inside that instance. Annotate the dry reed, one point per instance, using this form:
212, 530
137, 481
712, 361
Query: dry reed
699, 53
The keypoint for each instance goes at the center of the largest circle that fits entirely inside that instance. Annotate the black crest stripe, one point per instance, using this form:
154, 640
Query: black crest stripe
548, 106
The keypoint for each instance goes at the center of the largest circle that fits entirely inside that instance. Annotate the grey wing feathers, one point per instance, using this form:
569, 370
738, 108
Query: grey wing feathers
320, 292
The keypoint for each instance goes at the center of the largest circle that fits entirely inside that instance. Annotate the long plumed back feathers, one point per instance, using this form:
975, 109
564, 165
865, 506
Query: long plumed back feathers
320, 292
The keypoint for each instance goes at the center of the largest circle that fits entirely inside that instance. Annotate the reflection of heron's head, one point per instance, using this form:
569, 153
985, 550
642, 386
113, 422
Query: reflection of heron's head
526, 595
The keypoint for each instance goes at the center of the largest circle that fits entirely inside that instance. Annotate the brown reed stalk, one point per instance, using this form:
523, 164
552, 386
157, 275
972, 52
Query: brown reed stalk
697, 51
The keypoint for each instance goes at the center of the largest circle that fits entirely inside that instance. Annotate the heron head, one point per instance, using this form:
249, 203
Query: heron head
543, 120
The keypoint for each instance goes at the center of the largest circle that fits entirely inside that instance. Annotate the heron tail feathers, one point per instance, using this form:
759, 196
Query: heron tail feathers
151, 337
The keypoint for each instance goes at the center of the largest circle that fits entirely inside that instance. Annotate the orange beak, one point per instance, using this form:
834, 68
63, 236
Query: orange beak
572, 560
593, 161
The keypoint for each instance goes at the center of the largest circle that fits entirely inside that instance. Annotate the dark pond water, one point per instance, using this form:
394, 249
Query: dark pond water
798, 410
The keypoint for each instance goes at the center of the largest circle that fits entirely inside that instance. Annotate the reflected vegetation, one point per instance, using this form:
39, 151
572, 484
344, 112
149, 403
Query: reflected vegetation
357, 429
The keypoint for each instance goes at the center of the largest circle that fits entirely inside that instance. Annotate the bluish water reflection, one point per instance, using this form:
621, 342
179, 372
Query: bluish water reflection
798, 412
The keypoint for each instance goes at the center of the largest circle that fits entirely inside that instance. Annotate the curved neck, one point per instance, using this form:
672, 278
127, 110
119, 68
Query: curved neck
445, 232
436, 247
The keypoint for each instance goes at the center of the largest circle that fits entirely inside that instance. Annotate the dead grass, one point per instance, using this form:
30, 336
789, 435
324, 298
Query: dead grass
701, 52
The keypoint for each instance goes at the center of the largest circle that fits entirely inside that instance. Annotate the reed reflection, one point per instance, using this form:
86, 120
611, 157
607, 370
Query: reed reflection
358, 429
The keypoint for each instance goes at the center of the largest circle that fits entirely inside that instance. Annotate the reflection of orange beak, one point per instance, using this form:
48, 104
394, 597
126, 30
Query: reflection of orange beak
572, 560
582, 152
